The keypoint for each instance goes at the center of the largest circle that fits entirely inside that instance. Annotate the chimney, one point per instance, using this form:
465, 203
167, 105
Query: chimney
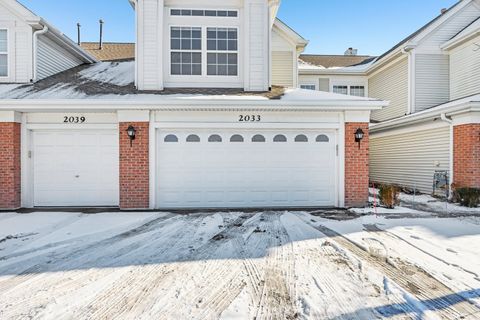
443, 11
100, 44
78, 33
351, 52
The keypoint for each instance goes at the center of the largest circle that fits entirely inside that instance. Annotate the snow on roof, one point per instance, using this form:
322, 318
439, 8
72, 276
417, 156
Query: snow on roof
115, 81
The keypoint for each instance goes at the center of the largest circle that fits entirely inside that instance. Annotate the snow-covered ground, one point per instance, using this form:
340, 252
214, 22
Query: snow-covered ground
264, 265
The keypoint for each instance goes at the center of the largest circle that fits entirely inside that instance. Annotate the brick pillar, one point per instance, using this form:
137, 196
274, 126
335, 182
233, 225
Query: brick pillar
134, 167
356, 166
466, 155
10, 179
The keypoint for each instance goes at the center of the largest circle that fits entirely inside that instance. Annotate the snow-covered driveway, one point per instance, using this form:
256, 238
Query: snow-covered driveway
266, 265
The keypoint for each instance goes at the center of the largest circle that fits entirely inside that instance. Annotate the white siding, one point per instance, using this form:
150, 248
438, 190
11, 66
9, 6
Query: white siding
53, 59
410, 158
283, 69
324, 84
431, 80
390, 84
465, 70
257, 38
19, 47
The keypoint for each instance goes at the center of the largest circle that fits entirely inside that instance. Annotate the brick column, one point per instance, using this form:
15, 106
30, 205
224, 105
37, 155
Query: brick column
356, 166
466, 155
134, 167
10, 176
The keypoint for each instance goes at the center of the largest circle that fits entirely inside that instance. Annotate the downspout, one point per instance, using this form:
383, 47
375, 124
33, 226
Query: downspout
35, 48
450, 122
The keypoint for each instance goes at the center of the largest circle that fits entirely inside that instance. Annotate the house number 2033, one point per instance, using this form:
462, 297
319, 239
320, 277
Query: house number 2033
67, 119
250, 118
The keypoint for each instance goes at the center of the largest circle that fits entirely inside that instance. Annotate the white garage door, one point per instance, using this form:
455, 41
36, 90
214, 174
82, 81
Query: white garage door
227, 169
75, 168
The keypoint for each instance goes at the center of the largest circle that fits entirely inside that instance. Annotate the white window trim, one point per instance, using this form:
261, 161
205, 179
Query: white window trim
349, 86
310, 85
205, 9
204, 53
170, 51
7, 53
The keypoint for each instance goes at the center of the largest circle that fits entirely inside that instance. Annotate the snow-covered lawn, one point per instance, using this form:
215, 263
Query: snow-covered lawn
264, 265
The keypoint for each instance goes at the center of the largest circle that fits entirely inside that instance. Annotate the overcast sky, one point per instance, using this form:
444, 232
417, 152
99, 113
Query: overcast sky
331, 26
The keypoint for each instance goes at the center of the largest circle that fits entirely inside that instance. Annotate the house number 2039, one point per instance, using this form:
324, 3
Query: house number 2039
67, 119
250, 118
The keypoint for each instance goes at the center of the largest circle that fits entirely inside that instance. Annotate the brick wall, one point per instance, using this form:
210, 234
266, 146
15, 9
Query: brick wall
466, 155
134, 167
356, 166
10, 180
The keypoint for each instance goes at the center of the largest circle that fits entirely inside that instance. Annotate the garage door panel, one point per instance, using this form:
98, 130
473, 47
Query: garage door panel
245, 174
75, 168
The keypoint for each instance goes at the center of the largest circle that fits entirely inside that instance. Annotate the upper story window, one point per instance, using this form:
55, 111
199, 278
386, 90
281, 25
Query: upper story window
3, 53
204, 13
308, 87
186, 50
340, 89
357, 91
222, 51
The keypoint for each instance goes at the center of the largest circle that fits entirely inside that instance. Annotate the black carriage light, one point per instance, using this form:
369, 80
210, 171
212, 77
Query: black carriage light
359, 134
131, 132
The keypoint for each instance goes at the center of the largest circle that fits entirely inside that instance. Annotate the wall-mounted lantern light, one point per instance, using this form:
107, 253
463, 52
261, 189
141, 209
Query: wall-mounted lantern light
359, 134
131, 132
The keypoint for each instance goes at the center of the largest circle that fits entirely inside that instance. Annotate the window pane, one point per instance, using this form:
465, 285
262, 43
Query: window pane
215, 138
280, 138
176, 68
232, 34
186, 69
211, 45
210, 13
221, 13
358, 91
222, 70
258, 138
171, 138
198, 13
175, 12
222, 34
212, 70
193, 138
322, 138
236, 138
196, 57
197, 69
232, 45
176, 57
175, 33
301, 138
232, 58
196, 33
222, 58
3, 41
232, 70
340, 89
308, 86
212, 58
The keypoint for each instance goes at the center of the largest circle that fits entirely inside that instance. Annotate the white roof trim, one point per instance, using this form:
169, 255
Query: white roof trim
469, 33
454, 107
295, 38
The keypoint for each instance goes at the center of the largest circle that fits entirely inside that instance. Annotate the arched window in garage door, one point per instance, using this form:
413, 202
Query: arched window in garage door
236, 138
258, 138
171, 138
215, 138
193, 138
301, 138
280, 138
322, 138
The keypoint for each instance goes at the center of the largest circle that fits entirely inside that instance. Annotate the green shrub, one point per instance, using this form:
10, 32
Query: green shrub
388, 196
467, 197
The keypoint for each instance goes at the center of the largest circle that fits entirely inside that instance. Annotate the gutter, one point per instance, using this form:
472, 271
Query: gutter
35, 49
444, 118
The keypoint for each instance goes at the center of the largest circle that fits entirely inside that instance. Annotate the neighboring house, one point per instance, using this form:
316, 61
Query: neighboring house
31, 49
207, 116
432, 81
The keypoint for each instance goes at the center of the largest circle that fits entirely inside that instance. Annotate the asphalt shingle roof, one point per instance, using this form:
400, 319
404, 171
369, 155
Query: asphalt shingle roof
334, 61
110, 51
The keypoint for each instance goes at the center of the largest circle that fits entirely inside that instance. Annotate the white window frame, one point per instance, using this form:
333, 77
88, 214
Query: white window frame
170, 51
237, 52
310, 85
341, 85
357, 85
6, 53
204, 16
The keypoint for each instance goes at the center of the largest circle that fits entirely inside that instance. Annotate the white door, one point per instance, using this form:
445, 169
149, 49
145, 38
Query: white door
75, 168
241, 169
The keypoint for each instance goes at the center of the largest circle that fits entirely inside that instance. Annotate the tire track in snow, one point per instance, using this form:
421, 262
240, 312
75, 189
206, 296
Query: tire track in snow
426, 289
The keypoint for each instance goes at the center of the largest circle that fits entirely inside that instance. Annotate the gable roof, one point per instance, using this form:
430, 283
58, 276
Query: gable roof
334, 61
294, 36
110, 51
467, 33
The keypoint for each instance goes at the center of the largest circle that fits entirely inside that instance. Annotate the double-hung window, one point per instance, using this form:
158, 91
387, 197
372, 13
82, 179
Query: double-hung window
3, 53
340, 89
357, 91
222, 51
186, 51
308, 87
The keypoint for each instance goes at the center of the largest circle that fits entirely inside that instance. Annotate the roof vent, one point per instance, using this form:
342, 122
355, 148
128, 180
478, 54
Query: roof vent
443, 11
351, 52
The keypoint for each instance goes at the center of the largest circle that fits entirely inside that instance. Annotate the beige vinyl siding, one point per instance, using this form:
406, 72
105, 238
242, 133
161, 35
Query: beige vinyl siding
282, 69
390, 84
409, 159
465, 70
431, 80
53, 59
324, 84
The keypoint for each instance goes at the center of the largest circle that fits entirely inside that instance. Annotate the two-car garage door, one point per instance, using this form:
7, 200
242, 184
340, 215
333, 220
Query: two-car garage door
246, 168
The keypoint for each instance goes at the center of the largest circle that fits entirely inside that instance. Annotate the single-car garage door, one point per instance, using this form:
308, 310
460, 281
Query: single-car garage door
75, 168
233, 169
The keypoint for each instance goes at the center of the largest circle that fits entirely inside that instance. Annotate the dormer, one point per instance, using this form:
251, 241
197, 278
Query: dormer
31, 49
204, 44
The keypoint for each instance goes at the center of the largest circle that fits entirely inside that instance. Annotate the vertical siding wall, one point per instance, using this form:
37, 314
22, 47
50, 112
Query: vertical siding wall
432, 83
52, 59
410, 158
390, 84
465, 70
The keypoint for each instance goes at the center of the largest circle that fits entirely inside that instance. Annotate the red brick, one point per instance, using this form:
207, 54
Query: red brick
10, 175
356, 166
466, 155
134, 167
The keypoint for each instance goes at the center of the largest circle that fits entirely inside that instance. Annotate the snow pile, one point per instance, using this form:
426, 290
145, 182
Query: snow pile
117, 73
311, 95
